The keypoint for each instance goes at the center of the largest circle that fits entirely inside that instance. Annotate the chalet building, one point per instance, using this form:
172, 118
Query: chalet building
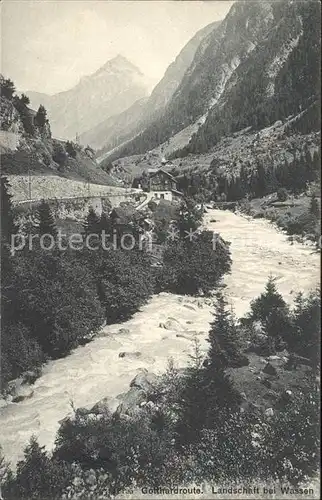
163, 185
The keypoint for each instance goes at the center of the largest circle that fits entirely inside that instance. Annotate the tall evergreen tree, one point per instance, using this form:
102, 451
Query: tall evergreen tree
7, 87
46, 222
41, 117
224, 348
314, 206
92, 223
271, 310
8, 226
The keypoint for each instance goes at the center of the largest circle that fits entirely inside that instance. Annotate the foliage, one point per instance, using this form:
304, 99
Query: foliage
92, 223
282, 194
124, 281
56, 298
21, 105
130, 450
41, 117
37, 476
59, 153
8, 225
271, 310
19, 351
314, 207
290, 440
224, 339
306, 322
46, 222
71, 149
193, 267
7, 88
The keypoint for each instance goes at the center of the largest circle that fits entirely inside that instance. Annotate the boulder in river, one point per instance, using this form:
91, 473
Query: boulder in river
131, 355
131, 400
24, 392
269, 369
145, 380
172, 324
141, 389
101, 406
188, 306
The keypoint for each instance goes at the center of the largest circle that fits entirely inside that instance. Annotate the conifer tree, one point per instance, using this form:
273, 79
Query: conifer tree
46, 221
8, 226
271, 310
224, 348
7, 87
41, 117
314, 206
92, 223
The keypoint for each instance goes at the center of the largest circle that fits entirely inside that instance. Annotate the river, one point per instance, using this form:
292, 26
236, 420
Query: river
95, 371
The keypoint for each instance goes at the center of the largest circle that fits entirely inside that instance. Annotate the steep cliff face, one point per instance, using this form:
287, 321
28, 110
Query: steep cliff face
260, 65
117, 129
110, 90
27, 146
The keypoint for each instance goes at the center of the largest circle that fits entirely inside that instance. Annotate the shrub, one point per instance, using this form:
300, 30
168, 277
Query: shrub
70, 149
19, 351
194, 267
59, 153
37, 476
282, 194
62, 305
124, 281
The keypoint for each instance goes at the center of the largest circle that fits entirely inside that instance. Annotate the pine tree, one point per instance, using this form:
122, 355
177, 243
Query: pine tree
70, 149
41, 117
8, 226
314, 207
46, 222
24, 99
271, 310
224, 348
7, 88
92, 223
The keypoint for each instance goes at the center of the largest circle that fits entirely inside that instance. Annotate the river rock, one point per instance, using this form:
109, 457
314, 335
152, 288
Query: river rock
131, 400
131, 355
145, 381
269, 369
125, 331
23, 393
183, 336
172, 324
31, 376
102, 406
188, 306
269, 412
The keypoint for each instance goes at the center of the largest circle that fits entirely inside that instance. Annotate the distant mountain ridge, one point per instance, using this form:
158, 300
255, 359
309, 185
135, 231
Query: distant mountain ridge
110, 90
261, 64
114, 130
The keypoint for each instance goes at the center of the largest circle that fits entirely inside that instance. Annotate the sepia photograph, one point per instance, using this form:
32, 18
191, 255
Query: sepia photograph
160, 249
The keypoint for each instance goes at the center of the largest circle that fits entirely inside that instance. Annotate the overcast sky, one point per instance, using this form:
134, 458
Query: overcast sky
48, 45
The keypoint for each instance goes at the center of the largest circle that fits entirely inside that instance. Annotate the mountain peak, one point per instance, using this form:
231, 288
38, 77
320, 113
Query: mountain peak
119, 62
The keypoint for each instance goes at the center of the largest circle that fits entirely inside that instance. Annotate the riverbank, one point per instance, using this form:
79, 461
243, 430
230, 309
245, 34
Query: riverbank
97, 370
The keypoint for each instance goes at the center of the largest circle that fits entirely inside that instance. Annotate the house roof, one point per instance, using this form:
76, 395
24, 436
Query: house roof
163, 172
175, 191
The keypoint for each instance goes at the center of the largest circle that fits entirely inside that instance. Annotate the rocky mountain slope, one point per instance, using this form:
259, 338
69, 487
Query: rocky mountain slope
117, 129
110, 90
27, 145
260, 65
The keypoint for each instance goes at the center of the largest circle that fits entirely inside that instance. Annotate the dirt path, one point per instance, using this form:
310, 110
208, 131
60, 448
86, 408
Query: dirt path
96, 370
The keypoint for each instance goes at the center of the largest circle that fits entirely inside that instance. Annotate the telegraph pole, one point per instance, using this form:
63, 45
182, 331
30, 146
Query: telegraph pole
29, 187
